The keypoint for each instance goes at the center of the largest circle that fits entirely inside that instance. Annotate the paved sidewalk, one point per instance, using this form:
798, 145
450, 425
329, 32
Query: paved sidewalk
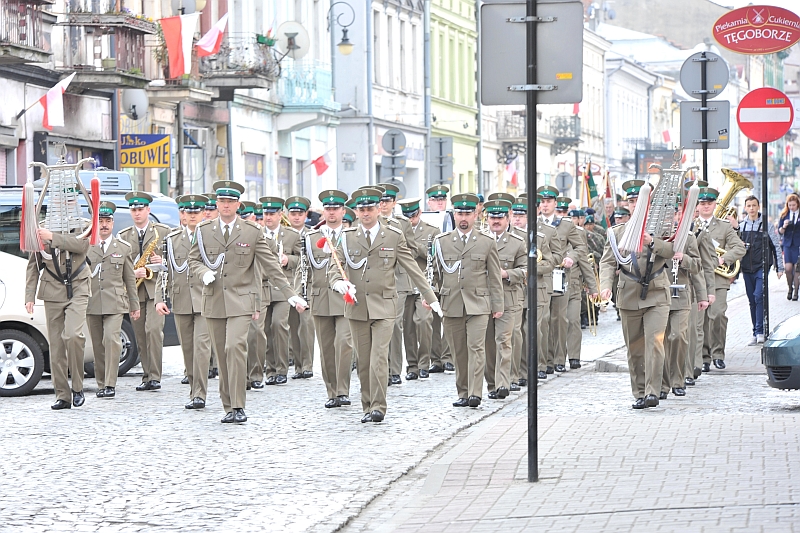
723, 458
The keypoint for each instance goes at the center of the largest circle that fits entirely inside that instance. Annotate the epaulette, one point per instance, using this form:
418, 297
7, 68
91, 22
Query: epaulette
352, 228
162, 225
312, 232
175, 231
400, 217
289, 229
398, 230
579, 227
723, 220
204, 222
617, 225
126, 243
540, 234
517, 236
442, 234
252, 224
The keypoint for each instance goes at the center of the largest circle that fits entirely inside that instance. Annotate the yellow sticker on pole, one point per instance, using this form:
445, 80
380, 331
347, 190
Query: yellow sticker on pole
563, 75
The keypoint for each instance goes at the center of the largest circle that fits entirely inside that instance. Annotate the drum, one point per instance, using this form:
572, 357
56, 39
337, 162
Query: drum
559, 281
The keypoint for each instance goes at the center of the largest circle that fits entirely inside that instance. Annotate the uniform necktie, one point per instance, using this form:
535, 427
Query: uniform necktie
141, 241
226, 234
103, 246
369, 238
464, 240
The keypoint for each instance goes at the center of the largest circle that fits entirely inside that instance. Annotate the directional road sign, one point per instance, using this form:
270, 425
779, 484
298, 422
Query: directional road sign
765, 115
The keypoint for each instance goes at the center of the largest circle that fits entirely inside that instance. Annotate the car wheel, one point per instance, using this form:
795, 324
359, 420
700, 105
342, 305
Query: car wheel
130, 354
21, 363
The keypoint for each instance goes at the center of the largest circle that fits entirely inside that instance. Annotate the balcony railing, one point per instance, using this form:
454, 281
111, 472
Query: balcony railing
510, 125
241, 55
22, 36
564, 127
306, 84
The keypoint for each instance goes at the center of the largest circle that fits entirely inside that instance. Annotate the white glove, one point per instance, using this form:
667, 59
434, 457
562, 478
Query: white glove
436, 308
208, 278
294, 300
344, 287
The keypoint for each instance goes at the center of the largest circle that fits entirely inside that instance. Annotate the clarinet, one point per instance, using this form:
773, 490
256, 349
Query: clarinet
303, 270
429, 261
163, 274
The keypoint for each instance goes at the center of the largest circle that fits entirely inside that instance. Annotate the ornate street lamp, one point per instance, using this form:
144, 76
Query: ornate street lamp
345, 46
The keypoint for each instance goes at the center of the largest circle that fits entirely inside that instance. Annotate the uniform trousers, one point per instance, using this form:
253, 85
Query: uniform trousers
577, 298
715, 327
466, 335
520, 342
196, 346
65, 321
107, 345
257, 348
676, 349
371, 341
301, 340
699, 339
335, 352
643, 330
149, 332
276, 326
440, 350
229, 337
554, 330
417, 333
396, 344
499, 353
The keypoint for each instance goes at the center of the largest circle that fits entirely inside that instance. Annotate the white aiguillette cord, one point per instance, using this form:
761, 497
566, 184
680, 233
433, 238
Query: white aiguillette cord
220, 258
171, 253
350, 263
448, 269
317, 265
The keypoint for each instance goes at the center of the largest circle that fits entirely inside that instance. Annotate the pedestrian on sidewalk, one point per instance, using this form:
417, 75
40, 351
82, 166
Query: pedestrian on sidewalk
752, 264
789, 228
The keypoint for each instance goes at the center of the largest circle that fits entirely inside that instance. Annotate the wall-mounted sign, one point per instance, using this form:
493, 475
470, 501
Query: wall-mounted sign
144, 151
757, 30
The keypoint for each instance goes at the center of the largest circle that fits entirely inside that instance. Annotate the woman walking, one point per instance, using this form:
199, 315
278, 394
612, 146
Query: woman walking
789, 228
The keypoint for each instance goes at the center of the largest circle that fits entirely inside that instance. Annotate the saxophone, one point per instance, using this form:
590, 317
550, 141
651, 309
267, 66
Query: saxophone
734, 182
142, 262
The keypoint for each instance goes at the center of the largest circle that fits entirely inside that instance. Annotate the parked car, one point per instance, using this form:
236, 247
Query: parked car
23, 338
781, 355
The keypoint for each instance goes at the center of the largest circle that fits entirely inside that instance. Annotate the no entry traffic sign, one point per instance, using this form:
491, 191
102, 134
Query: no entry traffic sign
765, 115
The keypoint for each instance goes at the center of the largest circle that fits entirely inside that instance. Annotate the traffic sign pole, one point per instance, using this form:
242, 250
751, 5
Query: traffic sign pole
704, 106
766, 251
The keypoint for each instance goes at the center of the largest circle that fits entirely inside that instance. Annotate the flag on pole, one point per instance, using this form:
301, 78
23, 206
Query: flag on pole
178, 35
510, 173
53, 104
321, 164
589, 191
665, 136
209, 44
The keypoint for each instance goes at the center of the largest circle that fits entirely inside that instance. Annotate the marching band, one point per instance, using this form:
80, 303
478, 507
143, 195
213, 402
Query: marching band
253, 290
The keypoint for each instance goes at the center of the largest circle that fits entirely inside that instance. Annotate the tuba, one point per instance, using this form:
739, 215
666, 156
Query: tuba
734, 183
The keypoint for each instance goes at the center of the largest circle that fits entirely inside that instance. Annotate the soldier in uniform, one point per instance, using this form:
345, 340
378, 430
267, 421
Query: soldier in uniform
417, 319
349, 217
441, 355
513, 256
145, 238
227, 258
697, 315
721, 235
185, 291
327, 306
301, 326
276, 323
644, 320
210, 211
113, 293
472, 292
65, 297
369, 254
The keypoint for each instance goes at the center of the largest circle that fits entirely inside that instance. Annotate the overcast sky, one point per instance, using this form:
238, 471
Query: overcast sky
791, 5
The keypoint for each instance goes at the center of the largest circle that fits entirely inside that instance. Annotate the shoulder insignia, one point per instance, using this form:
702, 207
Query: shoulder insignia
395, 229
580, 228
540, 234
401, 217
126, 243
163, 226
352, 228
203, 222
517, 236
174, 232
288, 229
312, 232
251, 224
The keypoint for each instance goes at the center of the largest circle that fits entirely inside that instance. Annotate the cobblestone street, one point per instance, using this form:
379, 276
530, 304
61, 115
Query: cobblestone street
722, 457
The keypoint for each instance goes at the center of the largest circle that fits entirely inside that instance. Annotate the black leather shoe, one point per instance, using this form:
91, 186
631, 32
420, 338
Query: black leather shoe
291, 362
542, 375
396, 380
502, 392
678, 391
377, 416
101, 393
719, 363
474, 401
492, 395
523, 382
514, 387
706, 367
344, 400
697, 372
794, 298
411, 376
155, 385
333, 402
110, 392
143, 386
238, 416
366, 418
650, 400
280, 379
78, 398
639, 404
196, 403
461, 402
270, 381
663, 395
423, 374
307, 374
298, 375
549, 370
689, 382
257, 385
185, 380
228, 418
61, 404
213, 373
435, 369
247, 386
574, 363
791, 293
560, 368
389, 381
449, 367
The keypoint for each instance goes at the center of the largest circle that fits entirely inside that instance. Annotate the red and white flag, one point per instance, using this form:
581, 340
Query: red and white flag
209, 44
178, 35
510, 173
665, 135
53, 104
321, 164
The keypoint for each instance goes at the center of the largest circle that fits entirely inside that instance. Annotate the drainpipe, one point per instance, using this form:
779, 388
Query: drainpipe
427, 99
479, 116
371, 133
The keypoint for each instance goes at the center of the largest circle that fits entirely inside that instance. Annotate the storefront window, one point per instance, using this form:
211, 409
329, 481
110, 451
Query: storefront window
254, 176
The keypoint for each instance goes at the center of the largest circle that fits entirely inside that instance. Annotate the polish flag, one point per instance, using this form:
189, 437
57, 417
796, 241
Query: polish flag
666, 136
53, 104
511, 173
209, 44
321, 164
178, 35
576, 108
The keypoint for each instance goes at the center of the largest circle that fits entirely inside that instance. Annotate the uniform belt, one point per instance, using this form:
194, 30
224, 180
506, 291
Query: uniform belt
640, 279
